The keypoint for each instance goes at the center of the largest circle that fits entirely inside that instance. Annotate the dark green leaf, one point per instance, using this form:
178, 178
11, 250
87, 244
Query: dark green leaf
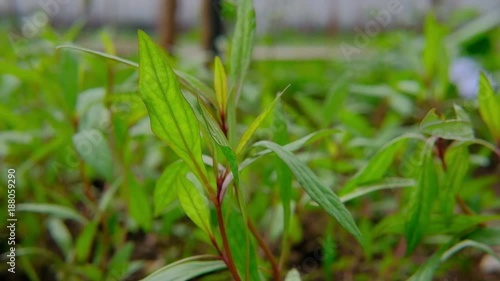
422, 198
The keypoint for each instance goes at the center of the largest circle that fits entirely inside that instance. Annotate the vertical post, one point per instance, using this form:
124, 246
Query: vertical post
167, 24
211, 22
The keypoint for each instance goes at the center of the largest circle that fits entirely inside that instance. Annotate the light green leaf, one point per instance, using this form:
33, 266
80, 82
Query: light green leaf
242, 45
422, 198
193, 201
172, 118
186, 269
139, 205
322, 195
454, 129
101, 54
220, 86
52, 210
489, 107
166, 189
255, 124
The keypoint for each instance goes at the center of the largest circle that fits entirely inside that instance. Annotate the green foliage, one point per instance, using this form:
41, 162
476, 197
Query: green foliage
129, 170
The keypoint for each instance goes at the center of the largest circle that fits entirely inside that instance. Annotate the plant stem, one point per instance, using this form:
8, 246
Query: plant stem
265, 248
228, 258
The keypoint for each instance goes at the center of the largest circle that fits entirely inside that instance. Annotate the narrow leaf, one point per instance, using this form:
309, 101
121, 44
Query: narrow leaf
255, 124
242, 45
242, 248
52, 210
322, 195
193, 201
422, 198
220, 85
185, 270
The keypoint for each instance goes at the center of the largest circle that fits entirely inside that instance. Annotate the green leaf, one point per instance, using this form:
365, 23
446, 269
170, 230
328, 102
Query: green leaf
69, 80
324, 196
388, 183
488, 235
489, 107
166, 189
242, 45
61, 235
220, 85
139, 205
193, 201
100, 54
242, 248
185, 269
118, 265
468, 243
92, 146
172, 118
457, 162
422, 198
85, 241
454, 129
255, 124
377, 166
221, 140
52, 210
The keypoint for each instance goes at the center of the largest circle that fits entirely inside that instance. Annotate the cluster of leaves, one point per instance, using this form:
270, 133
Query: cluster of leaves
79, 132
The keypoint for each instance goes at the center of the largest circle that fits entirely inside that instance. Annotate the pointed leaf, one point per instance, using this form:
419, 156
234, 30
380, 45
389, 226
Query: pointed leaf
255, 124
52, 210
185, 270
422, 198
322, 195
193, 201
242, 45
172, 118
220, 85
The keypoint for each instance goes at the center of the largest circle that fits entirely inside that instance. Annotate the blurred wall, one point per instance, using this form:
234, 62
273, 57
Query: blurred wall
271, 14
